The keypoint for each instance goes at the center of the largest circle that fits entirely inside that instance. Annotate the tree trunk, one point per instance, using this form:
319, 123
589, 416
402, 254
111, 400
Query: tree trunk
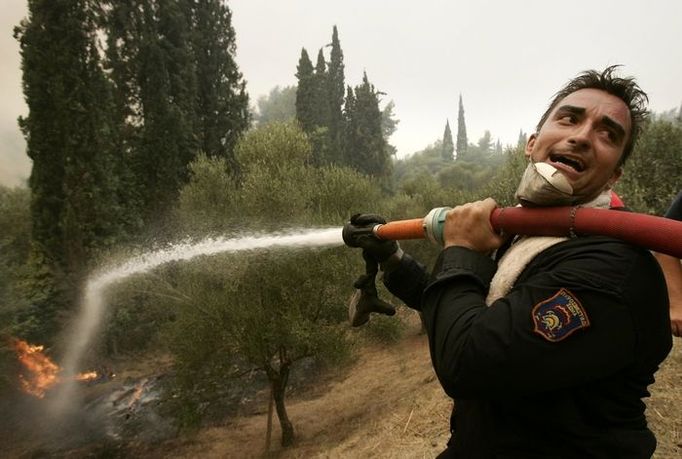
278, 381
278, 388
268, 434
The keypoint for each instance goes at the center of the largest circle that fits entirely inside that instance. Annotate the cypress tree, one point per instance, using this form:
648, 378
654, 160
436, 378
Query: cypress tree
122, 25
320, 138
179, 91
485, 144
166, 76
321, 94
153, 67
462, 142
336, 85
349, 127
389, 125
68, 132
498, 147
448, 147
523, 139
368, 152
223, 113
305, 93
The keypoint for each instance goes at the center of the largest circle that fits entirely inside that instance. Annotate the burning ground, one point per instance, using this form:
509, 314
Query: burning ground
386, 404
104, 411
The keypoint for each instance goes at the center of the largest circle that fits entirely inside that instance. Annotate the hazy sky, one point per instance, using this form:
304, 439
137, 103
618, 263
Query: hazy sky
506, 58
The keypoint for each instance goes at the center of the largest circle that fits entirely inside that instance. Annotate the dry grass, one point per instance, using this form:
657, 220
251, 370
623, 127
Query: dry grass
390, 405
665, 405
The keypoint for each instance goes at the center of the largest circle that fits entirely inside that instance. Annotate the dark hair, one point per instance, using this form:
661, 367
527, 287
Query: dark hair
626, 89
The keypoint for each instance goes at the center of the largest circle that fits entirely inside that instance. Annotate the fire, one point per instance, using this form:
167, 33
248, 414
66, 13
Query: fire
41, 372
86, 376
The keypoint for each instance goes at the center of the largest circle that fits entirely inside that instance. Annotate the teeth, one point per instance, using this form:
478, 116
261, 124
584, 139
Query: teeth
577, 165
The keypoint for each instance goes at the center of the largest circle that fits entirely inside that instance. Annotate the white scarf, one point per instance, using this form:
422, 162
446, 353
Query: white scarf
522, 252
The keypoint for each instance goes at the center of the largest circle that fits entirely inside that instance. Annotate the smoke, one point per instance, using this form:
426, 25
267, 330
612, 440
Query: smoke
92, 309
28, 427
99, 418
15, 166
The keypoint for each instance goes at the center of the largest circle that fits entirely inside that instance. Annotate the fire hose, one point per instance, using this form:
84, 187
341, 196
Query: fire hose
656, 233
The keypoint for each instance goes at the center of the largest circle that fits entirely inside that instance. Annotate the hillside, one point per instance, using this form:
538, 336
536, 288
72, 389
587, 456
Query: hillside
389, 405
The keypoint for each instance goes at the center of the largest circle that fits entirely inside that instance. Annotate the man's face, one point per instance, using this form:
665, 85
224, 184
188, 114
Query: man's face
584, 138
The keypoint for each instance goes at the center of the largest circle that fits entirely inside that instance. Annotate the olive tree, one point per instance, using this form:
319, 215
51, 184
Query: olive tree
270, 308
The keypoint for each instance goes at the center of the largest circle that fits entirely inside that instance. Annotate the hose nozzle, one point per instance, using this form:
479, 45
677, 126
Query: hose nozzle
351, 233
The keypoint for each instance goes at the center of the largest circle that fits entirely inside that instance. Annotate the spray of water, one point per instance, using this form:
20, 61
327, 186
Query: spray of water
92, 306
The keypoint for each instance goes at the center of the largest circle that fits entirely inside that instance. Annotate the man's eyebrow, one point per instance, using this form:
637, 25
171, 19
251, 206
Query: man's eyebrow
571, 109
616, 126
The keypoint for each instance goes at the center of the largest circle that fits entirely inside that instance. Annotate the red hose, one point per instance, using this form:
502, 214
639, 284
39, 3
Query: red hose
656, 233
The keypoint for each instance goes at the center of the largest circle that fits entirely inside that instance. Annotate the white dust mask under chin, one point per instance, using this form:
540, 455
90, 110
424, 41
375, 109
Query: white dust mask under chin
543, 185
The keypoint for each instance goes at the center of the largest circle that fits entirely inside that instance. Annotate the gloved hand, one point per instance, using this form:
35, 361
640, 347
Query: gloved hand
357, 233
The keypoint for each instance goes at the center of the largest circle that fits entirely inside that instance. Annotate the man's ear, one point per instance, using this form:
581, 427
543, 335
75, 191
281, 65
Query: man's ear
530, 144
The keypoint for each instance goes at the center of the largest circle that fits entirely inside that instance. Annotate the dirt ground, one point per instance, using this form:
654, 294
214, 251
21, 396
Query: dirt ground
390, 405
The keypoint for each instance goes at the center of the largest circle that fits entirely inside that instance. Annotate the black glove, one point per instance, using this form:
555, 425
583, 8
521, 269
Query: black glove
358, 233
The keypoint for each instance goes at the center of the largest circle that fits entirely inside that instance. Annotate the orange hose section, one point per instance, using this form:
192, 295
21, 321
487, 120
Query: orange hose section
402, 229
656, 233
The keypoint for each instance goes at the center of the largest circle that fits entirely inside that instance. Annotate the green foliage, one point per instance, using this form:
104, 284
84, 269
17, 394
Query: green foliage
462, 141
462, 175
221, 89
269, 309
138, 309
279, 105
351, 132
274, 175
210, 181
178, 92
447, 145
272, 148
653, 174
75, 203
15, 229
68, 132
336, 91
339, 192
502, 186
389, 124
305, 93
366, 148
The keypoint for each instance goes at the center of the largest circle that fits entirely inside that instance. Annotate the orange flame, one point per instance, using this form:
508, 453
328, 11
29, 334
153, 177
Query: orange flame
42, 372
86, 376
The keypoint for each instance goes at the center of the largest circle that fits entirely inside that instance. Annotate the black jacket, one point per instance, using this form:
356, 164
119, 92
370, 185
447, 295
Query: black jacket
557, 367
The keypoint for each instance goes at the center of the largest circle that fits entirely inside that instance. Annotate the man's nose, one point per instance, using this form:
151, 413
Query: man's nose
580, 136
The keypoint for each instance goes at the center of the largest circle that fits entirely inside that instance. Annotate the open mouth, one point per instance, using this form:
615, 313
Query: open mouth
574, 163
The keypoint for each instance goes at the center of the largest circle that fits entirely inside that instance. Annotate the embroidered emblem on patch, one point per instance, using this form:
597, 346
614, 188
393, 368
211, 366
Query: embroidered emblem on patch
559, 316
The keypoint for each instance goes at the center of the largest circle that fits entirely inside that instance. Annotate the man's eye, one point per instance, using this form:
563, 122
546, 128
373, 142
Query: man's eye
571, 119
609, 134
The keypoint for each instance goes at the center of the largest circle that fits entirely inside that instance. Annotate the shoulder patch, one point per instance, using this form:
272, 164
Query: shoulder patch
559, 316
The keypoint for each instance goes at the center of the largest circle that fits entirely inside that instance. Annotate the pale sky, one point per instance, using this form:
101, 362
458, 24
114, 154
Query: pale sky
506, 57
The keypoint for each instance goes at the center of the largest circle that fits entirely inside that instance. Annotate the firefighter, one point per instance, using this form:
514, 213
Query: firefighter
547, 345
